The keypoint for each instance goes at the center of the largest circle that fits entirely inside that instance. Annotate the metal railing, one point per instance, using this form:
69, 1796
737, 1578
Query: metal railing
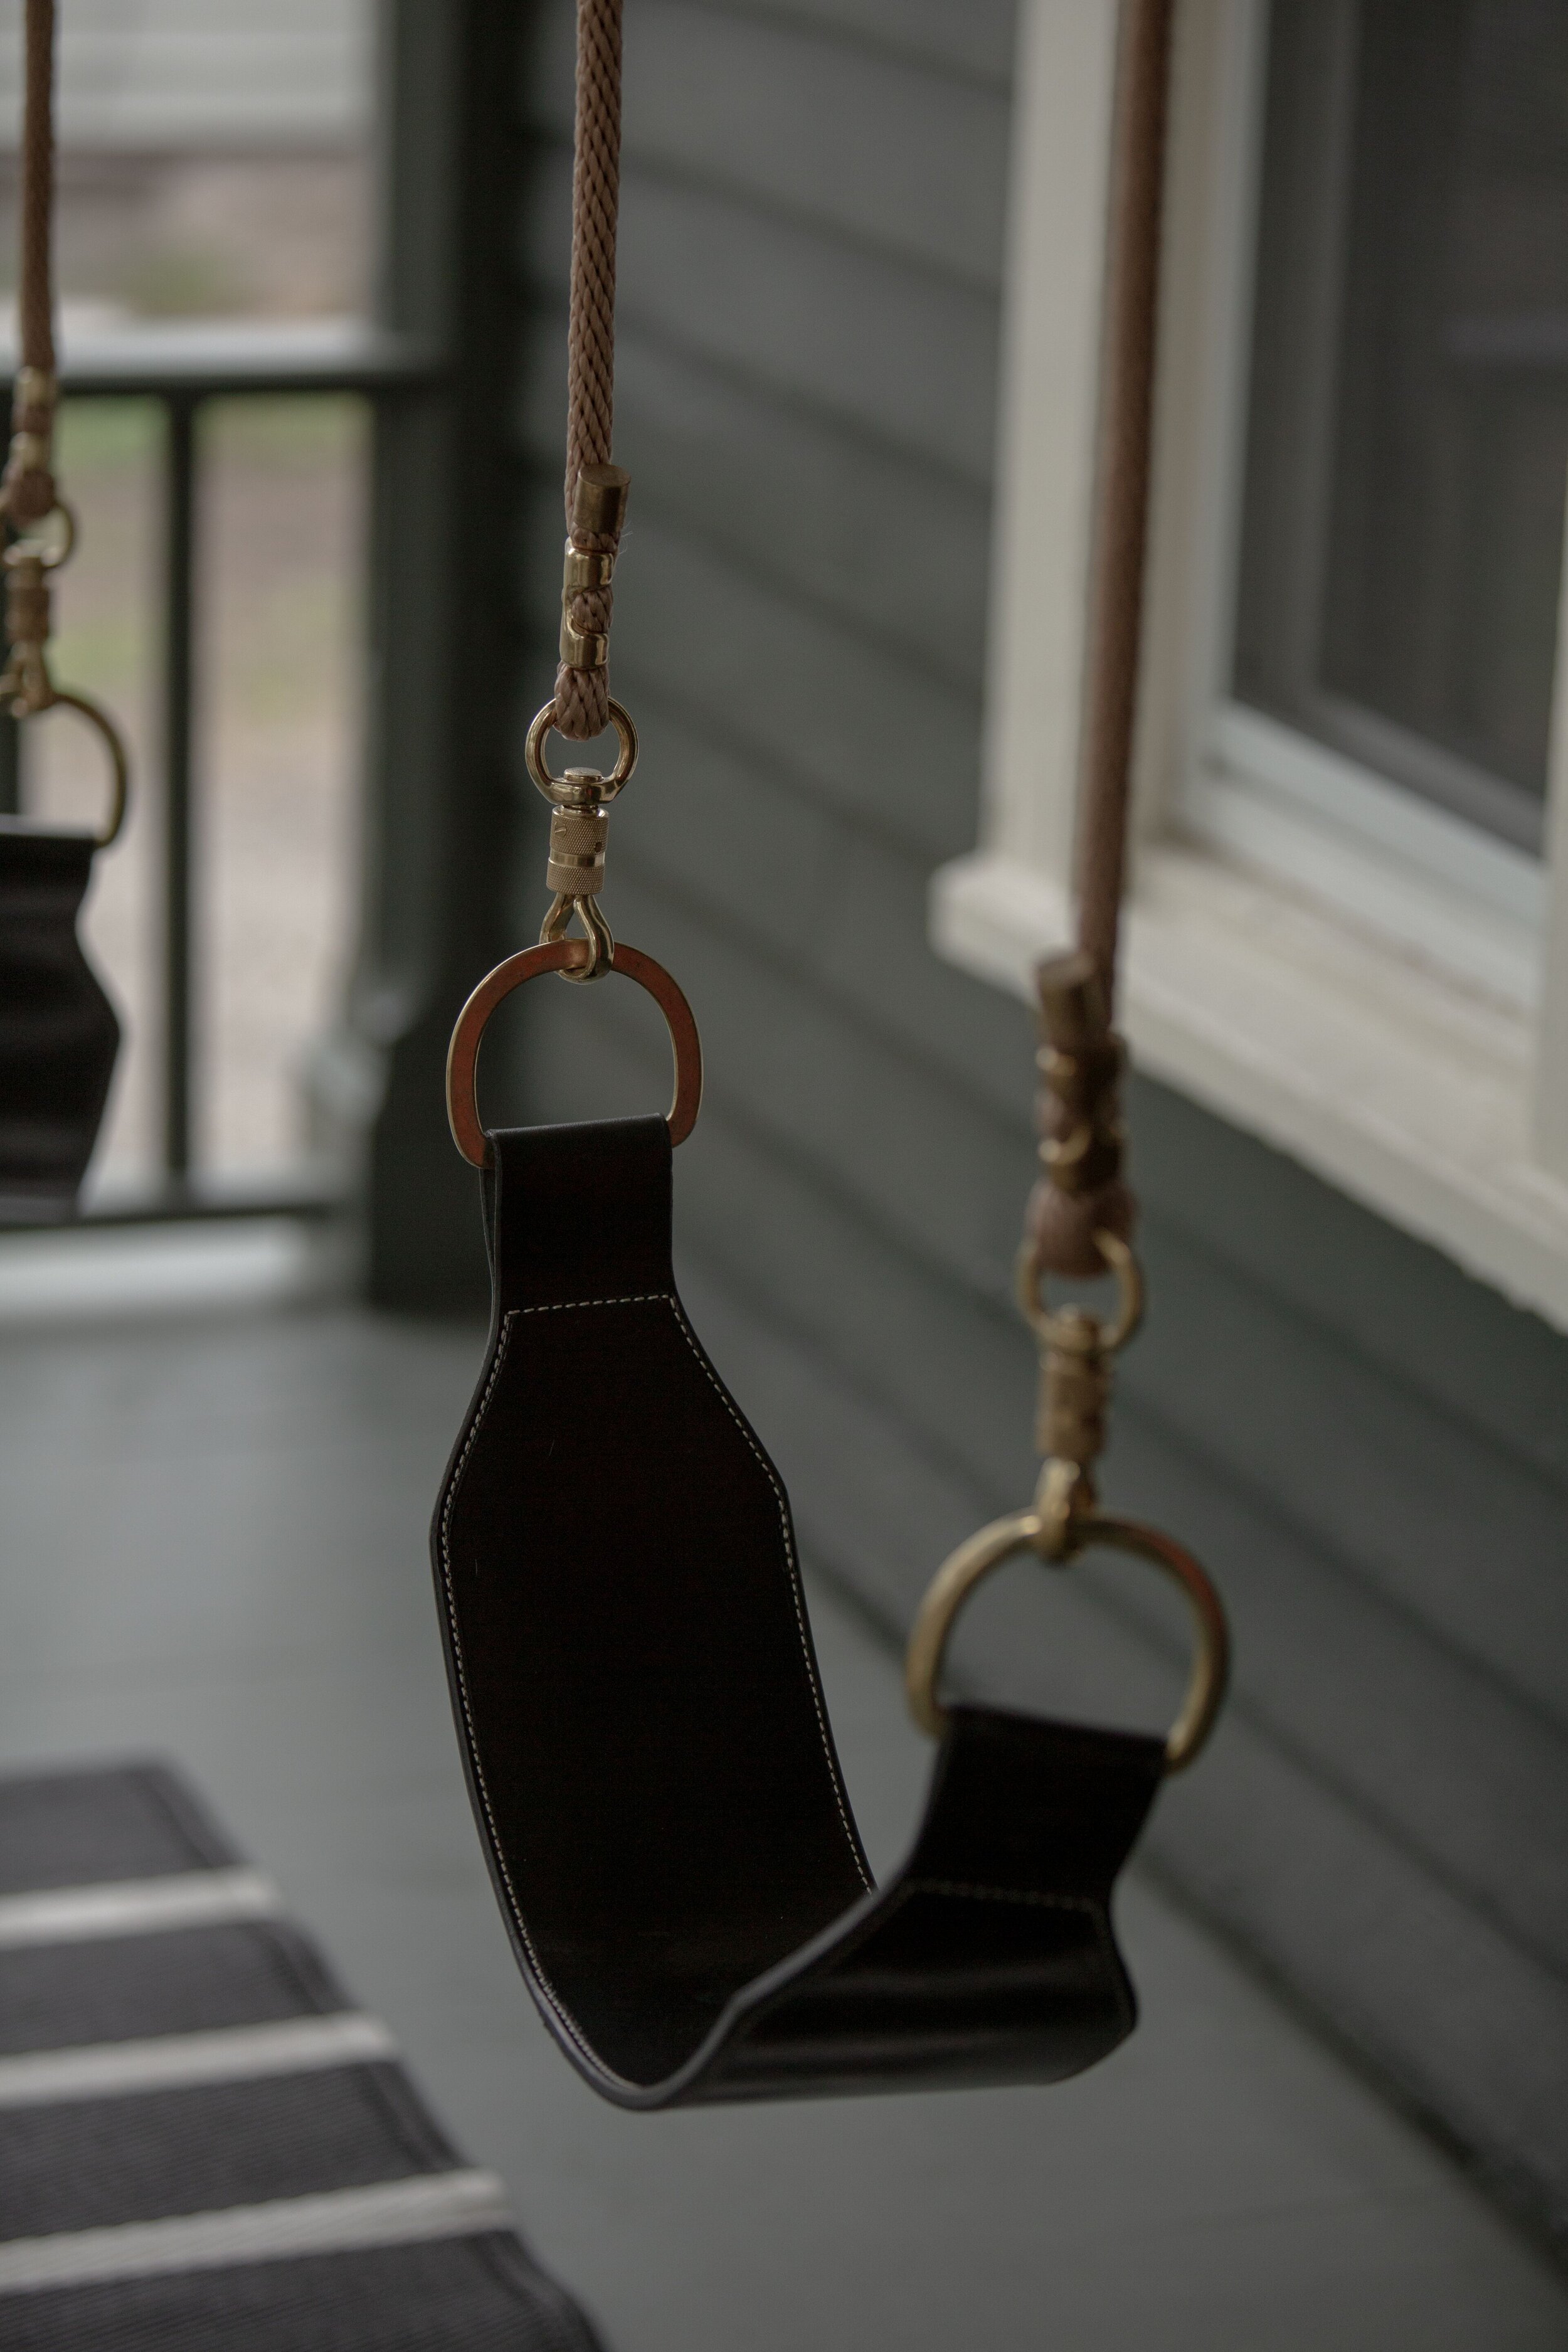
181, 369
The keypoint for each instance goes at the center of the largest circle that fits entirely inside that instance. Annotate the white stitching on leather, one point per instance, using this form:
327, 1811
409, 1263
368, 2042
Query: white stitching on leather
548, 1989
567, 1306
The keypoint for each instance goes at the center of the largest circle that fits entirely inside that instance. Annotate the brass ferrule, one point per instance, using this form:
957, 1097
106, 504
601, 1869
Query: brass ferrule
27, 602
34, 389
582, 649
577, 842
1072, 1003
584, 568
599, 502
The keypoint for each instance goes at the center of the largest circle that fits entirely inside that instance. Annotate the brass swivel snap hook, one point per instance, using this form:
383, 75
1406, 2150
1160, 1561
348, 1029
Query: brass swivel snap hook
580, 802
1076, 1352
1064, 1520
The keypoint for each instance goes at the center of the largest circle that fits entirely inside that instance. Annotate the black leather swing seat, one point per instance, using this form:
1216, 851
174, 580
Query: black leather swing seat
645, 1736
58, 1034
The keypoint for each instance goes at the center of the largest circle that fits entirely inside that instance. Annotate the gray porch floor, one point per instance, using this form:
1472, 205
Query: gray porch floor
214, 1550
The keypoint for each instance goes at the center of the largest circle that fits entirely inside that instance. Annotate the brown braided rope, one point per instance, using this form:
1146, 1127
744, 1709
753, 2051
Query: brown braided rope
583, 696
28, 492
1081, 1190
1122, 476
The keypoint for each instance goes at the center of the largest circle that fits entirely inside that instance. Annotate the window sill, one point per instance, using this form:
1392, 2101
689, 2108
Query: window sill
1394, 1083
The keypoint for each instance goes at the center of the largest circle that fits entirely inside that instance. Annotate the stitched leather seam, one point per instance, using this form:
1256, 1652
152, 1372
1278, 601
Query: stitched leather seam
543, 1980
567, 1306
1000, 1894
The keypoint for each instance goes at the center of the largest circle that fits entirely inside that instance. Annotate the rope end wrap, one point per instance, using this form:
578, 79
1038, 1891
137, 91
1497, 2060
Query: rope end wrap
599, 503
1079, 1192
598, 516
28, 494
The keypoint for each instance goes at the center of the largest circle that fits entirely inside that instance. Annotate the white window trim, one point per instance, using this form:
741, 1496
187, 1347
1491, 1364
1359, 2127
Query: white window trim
1399, 1023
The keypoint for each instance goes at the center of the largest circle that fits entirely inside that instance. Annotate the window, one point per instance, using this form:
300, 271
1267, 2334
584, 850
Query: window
1401, 493
1407, 434
1344, 931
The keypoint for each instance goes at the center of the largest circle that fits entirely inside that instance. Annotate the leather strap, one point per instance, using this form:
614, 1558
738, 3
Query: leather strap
643, 1729
58, 1034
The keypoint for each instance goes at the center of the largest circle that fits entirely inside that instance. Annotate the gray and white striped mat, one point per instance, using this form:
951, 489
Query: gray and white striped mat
203, 2144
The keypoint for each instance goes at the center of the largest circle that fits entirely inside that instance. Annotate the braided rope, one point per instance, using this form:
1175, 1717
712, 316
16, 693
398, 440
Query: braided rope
1121, 497
28, 492
583, 696
1080, 1192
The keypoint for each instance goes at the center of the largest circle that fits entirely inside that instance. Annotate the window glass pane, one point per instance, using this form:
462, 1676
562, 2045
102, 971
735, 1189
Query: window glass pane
1409, 441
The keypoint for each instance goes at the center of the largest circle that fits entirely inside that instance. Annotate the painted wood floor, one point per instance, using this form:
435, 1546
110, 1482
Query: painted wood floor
212, 1547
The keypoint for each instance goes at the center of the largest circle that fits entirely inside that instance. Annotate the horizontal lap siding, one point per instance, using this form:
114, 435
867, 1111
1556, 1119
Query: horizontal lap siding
806, 388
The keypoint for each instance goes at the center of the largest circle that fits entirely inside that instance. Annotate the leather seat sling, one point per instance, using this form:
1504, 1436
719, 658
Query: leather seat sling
58, 1033
645, 1733
630, 1658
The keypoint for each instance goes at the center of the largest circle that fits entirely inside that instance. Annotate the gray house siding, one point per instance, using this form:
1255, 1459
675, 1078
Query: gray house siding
1370, 1450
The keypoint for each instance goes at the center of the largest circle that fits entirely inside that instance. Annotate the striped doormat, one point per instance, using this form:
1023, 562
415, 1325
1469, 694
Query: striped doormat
203, 2143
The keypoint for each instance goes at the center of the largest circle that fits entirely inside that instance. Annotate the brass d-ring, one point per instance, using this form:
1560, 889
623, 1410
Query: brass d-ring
118, 759
1030, 1531
21, 704
563, 955
625, 758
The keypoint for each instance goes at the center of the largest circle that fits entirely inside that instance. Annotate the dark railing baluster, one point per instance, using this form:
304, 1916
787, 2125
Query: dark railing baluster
10, 764
179, 563
10, 750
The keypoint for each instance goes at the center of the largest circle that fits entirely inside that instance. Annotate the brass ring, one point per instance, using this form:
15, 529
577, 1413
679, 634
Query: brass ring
113, 743
1028, 1531
562, 955
1120, 1260
626, 758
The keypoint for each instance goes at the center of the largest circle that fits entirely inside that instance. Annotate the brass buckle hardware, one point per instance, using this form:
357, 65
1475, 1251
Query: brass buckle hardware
1065, 1518
583, 648
563, 955
583, 567
1042, 1531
